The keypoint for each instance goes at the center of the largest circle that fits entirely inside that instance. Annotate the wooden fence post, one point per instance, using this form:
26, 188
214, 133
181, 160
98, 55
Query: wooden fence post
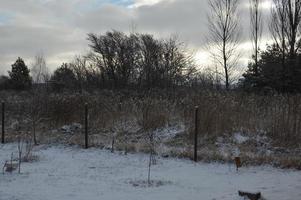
3, 121
86, 126
196, 126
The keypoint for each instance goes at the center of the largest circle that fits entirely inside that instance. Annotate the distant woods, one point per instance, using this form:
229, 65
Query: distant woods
135, 60
118, 60
139, 59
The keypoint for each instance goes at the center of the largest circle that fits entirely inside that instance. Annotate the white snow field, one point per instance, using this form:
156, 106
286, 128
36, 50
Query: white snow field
72, 173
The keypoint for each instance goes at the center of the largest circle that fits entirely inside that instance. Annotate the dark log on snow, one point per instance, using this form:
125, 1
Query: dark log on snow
250, 196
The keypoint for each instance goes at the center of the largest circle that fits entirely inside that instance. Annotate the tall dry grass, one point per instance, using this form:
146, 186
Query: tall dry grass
125, 112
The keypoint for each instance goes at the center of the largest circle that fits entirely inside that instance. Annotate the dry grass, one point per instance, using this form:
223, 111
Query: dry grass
129, 115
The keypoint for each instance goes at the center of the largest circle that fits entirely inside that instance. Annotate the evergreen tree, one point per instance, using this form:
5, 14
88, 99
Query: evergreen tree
272, 74
63, 77
19, 75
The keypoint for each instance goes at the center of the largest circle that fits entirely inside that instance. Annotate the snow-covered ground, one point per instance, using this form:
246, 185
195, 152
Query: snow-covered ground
71, 173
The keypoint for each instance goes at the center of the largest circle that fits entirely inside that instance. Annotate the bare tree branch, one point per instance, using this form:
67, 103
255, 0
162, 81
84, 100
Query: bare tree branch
224, 35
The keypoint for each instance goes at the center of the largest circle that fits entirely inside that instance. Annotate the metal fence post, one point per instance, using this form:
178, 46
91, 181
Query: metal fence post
86, 126
3, 121
196, 126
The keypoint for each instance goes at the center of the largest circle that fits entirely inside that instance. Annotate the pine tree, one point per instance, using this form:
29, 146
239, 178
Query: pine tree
19, 75
63, 77
271, 75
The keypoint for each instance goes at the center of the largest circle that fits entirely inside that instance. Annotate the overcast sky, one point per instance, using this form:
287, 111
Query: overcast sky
59, 28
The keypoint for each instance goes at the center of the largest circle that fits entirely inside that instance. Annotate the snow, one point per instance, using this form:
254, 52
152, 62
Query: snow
72, 173
168, 133
71, 128
240, 139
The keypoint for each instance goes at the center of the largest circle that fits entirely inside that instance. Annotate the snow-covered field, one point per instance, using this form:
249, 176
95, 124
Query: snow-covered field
71, 173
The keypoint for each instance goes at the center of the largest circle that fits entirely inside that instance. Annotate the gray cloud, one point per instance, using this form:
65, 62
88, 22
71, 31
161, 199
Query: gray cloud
58, 28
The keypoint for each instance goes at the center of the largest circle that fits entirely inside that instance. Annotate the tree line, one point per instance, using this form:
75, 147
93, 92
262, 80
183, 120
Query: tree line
119, 60
277, 67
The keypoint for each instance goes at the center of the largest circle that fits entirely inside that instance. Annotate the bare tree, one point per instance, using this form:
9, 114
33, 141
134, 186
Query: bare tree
117, 56
293, 12
224, 34
140, 59
277, 26
151, 137
285, 26
20, 150
39, 70
39, 94
80, 68
256, 29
